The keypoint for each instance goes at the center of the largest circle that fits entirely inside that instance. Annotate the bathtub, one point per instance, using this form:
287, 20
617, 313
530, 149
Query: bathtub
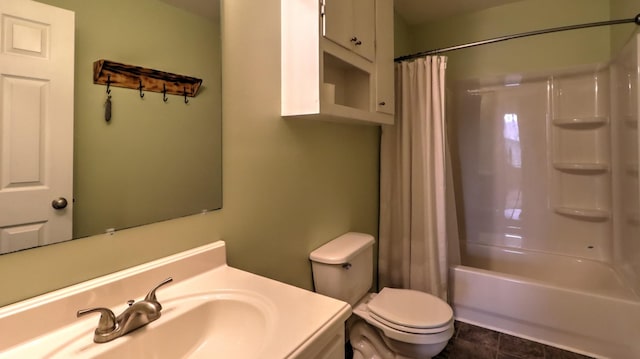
576, 304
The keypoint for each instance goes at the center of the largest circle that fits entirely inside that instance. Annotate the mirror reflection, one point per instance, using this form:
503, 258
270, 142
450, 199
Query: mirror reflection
154, 160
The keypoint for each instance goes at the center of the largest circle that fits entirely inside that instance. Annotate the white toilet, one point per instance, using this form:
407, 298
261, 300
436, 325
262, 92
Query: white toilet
395, 323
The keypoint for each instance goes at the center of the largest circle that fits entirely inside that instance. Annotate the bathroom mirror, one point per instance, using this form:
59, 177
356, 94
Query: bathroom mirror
154, 160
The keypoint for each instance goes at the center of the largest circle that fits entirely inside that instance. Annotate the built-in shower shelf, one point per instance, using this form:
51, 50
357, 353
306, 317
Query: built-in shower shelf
580, 122
580, 167
583, 213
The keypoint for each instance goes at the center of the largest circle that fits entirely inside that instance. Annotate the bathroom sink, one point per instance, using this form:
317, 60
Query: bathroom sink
210, 310
223, 324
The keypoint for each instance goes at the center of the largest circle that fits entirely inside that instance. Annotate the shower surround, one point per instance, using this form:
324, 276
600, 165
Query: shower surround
548, 182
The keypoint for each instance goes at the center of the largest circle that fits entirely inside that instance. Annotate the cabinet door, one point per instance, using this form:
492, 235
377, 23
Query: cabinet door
351, 24
364, 17
385, 85
337, 24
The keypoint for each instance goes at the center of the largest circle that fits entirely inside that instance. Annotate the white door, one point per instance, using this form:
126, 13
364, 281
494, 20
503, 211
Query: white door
36, 124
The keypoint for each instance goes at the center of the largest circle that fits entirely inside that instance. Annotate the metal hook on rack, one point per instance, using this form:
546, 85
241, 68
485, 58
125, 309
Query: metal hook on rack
185, 95
140, 88
164, 93
108, 84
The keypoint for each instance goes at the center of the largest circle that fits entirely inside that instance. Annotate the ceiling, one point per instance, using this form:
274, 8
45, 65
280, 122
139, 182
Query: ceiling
413, 11
419, 11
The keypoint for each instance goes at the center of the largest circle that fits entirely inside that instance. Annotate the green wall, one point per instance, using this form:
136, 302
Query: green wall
529, 54
288, 185
620, 34
402, 36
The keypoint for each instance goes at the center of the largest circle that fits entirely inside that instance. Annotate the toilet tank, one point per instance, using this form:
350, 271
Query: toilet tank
343, 267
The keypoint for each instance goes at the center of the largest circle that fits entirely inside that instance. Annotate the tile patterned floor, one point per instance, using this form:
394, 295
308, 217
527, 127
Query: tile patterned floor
471, 342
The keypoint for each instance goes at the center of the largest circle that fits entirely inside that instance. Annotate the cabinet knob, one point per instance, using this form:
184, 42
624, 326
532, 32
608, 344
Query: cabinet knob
356, 41
382, 103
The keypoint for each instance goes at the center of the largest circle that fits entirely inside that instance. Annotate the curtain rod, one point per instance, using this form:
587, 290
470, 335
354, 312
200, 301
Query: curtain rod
635, 20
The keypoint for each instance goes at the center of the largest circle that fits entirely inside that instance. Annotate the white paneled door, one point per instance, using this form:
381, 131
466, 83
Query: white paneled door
36, 124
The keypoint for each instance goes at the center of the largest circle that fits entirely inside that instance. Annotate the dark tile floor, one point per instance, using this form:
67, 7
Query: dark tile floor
472, 342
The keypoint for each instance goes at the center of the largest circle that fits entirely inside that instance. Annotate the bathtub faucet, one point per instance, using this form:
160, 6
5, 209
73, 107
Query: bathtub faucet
137, 315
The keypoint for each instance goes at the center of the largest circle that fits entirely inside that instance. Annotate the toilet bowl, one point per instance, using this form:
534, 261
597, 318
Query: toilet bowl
394, 323
412, 324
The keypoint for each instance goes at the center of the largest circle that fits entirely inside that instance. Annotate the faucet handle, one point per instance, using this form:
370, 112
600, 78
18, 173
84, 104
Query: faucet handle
107, 323
151, 296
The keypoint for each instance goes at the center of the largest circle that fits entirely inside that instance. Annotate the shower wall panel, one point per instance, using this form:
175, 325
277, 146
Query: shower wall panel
501, 133
626, 196
535, 161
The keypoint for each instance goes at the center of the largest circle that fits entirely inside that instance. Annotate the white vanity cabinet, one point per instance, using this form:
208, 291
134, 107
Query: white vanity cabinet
327, 344
325, 75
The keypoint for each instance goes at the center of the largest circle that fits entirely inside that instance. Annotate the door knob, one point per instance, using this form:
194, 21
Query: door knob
59, 203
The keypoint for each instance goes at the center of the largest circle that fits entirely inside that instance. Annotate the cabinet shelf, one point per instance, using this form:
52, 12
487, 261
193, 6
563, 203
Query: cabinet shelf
580, 122
581, 167
587, 214
340, 113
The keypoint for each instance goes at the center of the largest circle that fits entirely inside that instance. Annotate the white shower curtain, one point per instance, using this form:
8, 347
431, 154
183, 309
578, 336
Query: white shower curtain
417, 216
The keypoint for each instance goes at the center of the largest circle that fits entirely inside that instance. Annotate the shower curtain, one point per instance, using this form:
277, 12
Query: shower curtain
417, 217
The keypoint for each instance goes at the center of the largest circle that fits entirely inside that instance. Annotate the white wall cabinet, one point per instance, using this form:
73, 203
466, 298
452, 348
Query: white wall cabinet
327, 77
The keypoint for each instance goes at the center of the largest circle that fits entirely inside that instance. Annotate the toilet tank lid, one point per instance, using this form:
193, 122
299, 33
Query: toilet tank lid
342, 249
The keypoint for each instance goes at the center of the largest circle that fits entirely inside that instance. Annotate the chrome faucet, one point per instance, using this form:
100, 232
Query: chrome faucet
137, 315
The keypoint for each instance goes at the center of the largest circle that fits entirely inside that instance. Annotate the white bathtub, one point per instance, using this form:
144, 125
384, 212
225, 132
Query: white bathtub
576, 304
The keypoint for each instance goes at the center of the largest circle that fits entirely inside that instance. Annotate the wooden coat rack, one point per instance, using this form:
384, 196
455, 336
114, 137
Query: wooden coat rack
112, 73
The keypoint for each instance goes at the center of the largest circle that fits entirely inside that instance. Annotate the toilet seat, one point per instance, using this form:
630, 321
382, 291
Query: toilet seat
442, 336
410, 311
410, 329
